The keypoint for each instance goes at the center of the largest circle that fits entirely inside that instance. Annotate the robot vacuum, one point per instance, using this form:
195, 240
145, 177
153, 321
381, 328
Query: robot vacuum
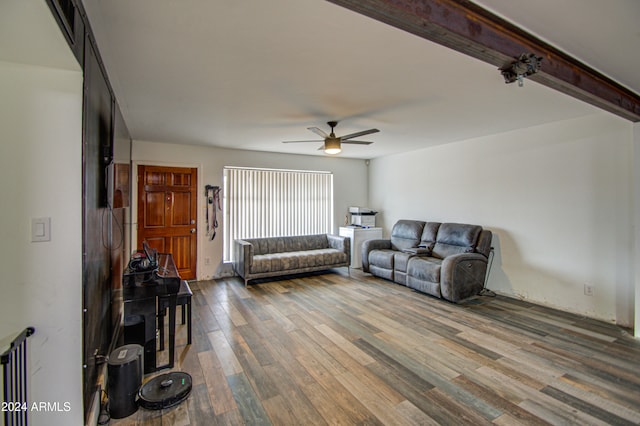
165, 391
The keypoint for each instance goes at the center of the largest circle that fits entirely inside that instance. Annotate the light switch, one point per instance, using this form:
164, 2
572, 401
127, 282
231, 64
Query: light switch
40, 229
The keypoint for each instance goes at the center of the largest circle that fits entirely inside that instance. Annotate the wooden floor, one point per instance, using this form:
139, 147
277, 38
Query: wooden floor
333, 349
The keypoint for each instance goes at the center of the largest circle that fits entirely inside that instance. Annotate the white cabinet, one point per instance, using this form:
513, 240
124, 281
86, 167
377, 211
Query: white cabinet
358, 236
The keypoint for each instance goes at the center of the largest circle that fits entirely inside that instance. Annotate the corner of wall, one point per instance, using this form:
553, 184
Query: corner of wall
636, 224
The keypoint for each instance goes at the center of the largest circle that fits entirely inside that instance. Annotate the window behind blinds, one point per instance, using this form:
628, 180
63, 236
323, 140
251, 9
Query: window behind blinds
268, 203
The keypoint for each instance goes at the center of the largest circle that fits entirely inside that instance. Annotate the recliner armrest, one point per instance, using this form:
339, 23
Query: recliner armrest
418, 251
462, 275
368, 246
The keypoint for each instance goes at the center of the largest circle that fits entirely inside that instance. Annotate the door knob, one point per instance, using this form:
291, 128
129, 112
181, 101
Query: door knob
192, 230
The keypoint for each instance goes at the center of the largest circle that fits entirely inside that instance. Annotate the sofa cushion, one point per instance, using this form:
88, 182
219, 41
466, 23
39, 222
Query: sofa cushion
455, 238
425, 268
405, 234
314, 242
288, 244
333, 257
260, 245
291, 244
287, 261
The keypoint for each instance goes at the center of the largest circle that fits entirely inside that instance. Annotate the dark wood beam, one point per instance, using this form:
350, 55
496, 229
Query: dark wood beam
472, 30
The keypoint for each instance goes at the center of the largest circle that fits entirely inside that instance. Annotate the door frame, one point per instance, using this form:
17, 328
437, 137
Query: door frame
200, 204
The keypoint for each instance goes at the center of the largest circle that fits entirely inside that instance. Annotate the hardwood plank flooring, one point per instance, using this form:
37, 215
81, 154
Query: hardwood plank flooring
357, 350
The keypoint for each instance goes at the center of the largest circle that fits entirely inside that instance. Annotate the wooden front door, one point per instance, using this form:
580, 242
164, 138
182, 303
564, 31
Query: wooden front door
167, 214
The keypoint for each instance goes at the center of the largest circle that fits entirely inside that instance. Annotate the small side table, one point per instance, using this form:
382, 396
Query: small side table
358, 236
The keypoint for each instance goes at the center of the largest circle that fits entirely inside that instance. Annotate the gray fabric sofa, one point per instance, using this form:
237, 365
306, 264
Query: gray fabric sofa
276, 256
446, 260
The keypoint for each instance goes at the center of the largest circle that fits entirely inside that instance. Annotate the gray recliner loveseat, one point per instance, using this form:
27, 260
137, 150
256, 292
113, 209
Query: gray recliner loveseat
446, 260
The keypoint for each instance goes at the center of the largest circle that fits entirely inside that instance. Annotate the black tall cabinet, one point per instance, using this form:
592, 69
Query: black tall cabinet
101, 228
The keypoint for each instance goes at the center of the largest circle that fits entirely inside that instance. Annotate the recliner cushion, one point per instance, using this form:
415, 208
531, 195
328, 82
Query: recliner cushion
406, 234
382, 258
455, 238
400, 261
387, 274
429, 236
425, 268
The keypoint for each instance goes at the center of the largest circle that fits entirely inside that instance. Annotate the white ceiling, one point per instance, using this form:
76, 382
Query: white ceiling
250, 74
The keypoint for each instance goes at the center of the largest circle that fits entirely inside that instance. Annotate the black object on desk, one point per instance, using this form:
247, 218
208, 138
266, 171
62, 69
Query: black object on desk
141, 289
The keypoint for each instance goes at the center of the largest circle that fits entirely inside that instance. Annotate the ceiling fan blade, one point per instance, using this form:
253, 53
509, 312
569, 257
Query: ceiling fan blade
300, 141
318, 132
358, 142
356, 134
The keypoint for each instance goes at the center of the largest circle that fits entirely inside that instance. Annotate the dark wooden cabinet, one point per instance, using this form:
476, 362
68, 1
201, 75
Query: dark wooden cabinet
103, 126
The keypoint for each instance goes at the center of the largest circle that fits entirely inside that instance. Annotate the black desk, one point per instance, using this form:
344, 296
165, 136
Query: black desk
140, 294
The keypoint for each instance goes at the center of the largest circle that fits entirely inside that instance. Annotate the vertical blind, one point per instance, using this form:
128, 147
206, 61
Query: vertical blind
268, 203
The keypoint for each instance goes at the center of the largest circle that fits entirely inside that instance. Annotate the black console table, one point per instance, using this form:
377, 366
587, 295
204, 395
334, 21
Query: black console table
141, 289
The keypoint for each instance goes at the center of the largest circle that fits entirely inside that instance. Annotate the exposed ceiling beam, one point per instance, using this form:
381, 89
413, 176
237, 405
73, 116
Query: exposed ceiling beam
472, 30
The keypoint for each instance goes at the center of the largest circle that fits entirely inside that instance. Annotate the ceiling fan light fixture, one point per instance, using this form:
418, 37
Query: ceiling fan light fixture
332, 146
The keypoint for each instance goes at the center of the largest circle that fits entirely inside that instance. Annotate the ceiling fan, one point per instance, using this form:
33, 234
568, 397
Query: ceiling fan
332, 143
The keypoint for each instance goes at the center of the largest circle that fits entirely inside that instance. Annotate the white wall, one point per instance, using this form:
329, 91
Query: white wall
350, 184
40, 176
636, 222
558, 198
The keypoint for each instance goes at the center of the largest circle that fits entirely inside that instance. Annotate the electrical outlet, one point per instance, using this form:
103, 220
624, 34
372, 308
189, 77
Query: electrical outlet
588, 289
207, 261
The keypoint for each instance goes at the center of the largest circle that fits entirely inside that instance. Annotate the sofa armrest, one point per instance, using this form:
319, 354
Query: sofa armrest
340, 243
462, 275
368, 246
242, 257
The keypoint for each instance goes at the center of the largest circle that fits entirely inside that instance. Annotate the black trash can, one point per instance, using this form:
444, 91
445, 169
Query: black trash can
124, 379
